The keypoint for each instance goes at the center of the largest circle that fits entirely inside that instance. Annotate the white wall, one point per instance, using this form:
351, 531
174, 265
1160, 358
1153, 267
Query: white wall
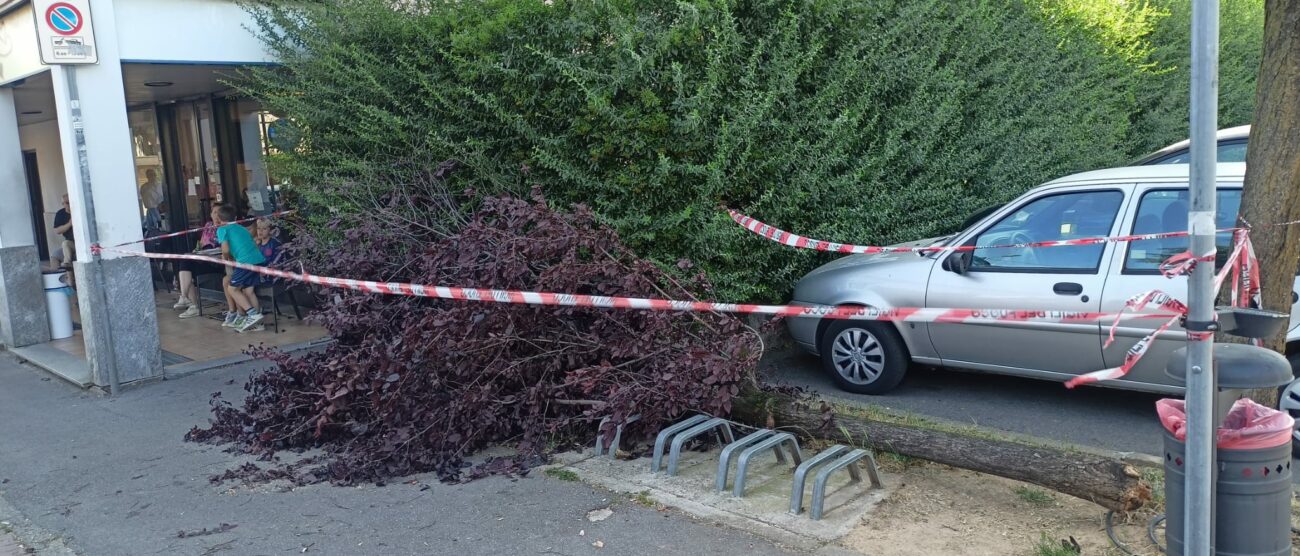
15, 212
186, 31
19, 52
44, 139
107, 143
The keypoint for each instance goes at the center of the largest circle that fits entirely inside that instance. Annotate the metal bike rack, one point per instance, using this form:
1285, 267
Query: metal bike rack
724, 461
847, 458
801, 475
774, 443
618, 435
678, 441
667, 433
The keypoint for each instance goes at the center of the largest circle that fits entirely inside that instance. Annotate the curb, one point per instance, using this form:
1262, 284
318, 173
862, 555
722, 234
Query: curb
186, 369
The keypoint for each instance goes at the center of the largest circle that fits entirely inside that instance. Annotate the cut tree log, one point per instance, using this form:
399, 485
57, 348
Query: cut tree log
1106, 481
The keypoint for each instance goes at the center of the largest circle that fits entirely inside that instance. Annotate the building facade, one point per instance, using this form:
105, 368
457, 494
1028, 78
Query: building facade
160, 123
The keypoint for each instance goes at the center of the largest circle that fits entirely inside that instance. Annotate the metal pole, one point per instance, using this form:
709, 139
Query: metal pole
1199, 517
92, 230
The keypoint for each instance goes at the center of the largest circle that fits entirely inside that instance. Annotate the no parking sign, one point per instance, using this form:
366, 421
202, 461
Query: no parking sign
64, 31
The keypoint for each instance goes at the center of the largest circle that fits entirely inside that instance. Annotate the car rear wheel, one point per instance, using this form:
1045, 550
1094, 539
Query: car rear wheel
863, 357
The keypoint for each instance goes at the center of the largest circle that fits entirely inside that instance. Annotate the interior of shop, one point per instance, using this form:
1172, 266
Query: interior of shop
196, 144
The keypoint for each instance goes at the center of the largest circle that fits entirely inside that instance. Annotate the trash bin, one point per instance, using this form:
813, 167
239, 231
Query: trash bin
1253, 500
58, 306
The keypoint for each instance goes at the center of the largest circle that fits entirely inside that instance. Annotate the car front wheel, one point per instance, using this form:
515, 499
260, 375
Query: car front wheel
863, 357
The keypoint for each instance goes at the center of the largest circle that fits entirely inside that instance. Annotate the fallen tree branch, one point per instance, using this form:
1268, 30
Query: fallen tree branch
577, 402
223, 528
1106, 481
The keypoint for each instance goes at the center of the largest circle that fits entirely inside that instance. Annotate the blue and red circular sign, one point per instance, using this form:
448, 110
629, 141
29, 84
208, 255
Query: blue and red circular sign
64, 18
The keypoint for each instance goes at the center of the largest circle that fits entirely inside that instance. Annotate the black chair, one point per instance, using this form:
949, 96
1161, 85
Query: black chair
274, 289
162, 271
272, 292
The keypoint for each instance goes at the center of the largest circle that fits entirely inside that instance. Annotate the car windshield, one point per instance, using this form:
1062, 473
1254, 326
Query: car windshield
974, 218
1228, 151
978, 215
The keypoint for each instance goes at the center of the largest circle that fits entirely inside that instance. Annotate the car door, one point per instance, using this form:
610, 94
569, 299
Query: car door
1044, 278
1159, 208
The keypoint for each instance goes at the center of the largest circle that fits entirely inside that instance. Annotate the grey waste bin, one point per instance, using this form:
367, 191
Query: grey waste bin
1252, 504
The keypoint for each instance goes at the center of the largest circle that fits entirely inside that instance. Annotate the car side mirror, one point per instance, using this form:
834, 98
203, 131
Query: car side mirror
957, 263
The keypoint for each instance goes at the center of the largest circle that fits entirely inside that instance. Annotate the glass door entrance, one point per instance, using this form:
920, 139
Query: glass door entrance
211, 152
195, 140
192, 162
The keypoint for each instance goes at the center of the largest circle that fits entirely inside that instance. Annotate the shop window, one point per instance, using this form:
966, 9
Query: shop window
149, 177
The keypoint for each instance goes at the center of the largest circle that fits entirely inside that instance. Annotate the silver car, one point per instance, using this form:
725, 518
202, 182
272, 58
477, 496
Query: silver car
1230, 147
872, 357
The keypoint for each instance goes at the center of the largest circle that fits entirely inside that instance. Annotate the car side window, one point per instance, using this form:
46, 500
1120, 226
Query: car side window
1232, 152
1055, 217
1165, 210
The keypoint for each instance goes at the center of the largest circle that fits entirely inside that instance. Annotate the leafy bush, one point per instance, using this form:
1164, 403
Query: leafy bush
415, 384
1165, 99
864, 121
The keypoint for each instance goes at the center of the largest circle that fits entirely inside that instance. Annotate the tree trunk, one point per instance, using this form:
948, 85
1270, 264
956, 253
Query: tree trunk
1106, 481
1272, 189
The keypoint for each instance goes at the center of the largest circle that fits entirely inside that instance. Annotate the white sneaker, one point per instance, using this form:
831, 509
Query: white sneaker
231, 319
249, 322
190, 313
258, 328
182, 303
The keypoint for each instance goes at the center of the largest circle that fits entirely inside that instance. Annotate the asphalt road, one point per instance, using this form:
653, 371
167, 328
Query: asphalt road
112, 476
1098, 417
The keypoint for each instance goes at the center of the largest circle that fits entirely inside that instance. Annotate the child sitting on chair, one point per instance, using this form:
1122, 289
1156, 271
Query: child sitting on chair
267, 243
238, 245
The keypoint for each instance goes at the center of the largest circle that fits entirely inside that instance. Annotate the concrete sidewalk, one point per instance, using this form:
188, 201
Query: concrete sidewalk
96, 476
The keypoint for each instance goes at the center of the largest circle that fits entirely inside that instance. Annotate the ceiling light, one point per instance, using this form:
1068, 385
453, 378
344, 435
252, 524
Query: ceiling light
158, 83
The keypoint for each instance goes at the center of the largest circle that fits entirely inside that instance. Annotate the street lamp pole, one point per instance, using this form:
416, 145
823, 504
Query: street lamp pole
1199, 510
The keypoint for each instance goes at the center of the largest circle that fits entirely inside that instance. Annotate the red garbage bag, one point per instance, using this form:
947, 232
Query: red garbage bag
1248, 426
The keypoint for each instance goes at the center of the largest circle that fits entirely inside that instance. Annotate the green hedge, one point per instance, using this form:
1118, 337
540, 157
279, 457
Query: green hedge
1166, 101
867, 121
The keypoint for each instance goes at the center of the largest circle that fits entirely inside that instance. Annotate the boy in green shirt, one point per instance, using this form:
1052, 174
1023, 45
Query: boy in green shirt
238, 245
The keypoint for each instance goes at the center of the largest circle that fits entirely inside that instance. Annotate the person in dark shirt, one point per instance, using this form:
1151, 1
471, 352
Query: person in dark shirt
67, 251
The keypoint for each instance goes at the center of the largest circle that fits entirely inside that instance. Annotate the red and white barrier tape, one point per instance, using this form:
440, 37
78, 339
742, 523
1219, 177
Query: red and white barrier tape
1245, 281
914, 314
1240, 263
800, 242
201, 228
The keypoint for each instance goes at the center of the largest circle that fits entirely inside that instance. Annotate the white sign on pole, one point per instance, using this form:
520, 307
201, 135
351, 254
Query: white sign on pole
65, 32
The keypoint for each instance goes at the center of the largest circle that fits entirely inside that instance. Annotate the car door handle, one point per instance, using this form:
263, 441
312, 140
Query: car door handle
1068, 288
